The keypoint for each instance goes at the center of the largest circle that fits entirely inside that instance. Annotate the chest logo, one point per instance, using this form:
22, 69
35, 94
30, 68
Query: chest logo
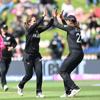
36, 35
8, 38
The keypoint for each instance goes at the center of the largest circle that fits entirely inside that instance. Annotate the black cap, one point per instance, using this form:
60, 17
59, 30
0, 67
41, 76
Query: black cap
71, 18
4, 26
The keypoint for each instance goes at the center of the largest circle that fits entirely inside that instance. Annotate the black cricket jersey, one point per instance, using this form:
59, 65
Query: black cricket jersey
9, 41
33, 36
73, 36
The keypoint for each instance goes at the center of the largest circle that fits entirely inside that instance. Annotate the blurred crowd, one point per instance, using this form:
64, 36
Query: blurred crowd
20, 9
56, 46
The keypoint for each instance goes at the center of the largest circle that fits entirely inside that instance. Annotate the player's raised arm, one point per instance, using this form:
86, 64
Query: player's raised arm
56, 23
50, 22
62, 18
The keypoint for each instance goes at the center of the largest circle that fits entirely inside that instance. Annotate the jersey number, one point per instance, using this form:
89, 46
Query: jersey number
78, 38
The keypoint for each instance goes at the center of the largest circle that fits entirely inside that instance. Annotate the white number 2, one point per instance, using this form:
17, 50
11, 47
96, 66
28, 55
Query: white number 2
78, 37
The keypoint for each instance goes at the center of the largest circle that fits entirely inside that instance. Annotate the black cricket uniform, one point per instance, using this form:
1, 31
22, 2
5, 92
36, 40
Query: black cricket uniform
32, 57
75, 56
9, 41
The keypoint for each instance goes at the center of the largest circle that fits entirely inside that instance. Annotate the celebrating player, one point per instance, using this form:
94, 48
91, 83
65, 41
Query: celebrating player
32, 57
71, 26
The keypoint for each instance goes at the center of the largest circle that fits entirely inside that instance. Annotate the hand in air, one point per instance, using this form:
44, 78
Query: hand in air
54, 13
45, 12
61, 15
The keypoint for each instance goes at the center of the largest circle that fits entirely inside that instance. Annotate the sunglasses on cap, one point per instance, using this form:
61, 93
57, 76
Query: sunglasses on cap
71, 18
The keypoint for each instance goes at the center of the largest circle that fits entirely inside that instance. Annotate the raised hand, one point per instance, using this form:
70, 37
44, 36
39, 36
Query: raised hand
54, 13
61, 15
45, 12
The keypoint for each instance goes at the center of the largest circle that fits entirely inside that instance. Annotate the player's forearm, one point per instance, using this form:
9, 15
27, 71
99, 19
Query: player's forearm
58, 25
47, 26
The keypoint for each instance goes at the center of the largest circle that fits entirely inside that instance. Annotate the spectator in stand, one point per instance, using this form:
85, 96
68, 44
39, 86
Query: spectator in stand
85, 36
81, 15
67, 7
44, 2
56, 46
88, 2
93, 22
18, 32
92, 27
24, 7
18, 10
6, 4
26, 3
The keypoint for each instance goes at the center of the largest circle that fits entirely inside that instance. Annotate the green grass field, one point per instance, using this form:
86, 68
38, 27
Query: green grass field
52, 90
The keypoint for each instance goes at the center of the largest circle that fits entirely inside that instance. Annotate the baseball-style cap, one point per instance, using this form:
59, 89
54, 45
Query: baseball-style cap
71, 18
4, 26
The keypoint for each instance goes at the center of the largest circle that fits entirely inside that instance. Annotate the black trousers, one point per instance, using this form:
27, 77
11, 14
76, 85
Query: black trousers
31, 62
4, 66
68, 65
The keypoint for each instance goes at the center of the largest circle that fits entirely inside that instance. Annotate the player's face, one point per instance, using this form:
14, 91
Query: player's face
70, 23
33, 21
